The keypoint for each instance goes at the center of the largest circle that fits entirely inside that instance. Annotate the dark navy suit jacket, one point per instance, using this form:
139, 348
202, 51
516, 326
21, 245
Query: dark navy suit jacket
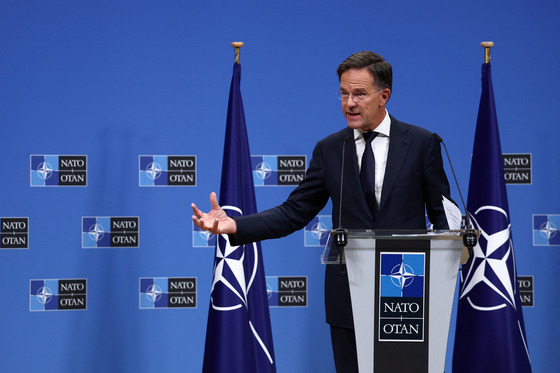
414, 183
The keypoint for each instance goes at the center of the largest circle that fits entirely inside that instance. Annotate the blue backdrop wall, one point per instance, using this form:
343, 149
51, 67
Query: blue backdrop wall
116, 80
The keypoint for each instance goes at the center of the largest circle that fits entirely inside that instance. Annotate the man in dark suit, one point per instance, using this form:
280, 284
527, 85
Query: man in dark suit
406, 179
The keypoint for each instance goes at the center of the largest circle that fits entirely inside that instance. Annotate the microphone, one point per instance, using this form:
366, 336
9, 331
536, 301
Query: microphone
340, 234
469, 237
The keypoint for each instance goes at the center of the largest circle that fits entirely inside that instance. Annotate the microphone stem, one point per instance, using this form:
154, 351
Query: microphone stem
457, 183
469, 237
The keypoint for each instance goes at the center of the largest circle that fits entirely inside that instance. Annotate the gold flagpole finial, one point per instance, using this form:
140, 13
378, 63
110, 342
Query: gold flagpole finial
487, 45
237, 45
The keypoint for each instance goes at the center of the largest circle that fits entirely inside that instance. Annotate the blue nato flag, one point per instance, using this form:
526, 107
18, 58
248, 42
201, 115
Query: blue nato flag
238, 335
490, 334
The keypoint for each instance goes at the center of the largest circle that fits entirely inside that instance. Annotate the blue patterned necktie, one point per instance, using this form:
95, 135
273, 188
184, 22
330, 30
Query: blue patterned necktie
367, 172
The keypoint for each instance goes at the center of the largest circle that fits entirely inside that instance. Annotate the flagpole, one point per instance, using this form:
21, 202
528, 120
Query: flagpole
237, 45
470, 237
486, 45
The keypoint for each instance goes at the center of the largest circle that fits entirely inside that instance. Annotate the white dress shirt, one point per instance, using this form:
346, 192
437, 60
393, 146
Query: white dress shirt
380, 146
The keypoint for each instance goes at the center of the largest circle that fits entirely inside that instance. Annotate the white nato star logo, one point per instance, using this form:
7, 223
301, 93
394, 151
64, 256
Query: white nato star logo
44, 170
548, 230
232, 258
44, 295
319, 230
205, 235
153, 293
96, 232
402, 275
263, 170
153, 170
227, 258
488, 260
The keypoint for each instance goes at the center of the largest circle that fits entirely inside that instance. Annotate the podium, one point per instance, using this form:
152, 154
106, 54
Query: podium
402, 285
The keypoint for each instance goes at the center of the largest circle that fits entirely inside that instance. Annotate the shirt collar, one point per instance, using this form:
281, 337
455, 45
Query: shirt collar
384, 128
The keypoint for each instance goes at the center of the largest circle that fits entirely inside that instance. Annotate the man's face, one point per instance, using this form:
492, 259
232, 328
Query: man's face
363, 104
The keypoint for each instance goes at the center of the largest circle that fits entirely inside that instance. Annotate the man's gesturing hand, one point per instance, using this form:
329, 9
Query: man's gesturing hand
216, 221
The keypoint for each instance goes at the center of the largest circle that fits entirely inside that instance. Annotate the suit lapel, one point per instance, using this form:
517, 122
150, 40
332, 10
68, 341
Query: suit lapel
399, 143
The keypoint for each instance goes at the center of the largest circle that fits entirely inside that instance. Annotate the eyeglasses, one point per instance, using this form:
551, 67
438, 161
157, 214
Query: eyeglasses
356, 97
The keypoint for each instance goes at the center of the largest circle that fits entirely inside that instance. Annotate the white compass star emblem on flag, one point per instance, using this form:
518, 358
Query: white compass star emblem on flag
229, 271
491, 263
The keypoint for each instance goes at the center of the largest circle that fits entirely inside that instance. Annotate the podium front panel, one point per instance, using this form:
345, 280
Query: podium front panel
402, 293
401, 299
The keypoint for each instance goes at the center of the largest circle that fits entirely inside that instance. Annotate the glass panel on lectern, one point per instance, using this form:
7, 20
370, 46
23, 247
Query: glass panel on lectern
333, 255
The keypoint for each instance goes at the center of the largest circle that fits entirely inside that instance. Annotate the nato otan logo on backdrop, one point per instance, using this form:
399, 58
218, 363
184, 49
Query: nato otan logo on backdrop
545, 230
286, 291
317, 231
526, 290
106, 232
167, 292
167, 170
14, 233
401, 302
58, 170
278, 170
517, 168
58, 295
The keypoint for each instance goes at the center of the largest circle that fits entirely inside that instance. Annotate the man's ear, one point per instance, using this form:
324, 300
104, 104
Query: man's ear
385, 94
